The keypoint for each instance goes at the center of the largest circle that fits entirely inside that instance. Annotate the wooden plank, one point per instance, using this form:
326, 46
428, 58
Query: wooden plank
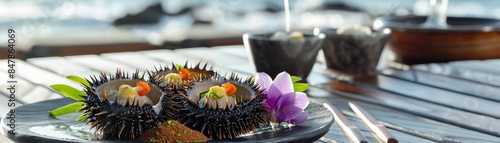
448, 115
23, 87
4, 107
234, 50
40, 93
62, 66
37, 75
403, 74
227, 54
133, 59
395, 115
98, 63
169, 56
438, 96
212, 55
27, 92
461, 73
480, 90
476, 65
493, 62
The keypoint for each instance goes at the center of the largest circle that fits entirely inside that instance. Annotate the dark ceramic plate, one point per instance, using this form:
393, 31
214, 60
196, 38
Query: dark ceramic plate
33, 124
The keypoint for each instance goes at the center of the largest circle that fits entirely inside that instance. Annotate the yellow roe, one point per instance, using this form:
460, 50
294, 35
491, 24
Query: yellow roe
173, 77
220, 91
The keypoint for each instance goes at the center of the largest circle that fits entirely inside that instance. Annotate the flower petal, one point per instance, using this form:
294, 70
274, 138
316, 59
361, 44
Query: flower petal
300, 118
285, 100
290, 107
282, 84
301, 100
264, 80
288, 113
297, 99
272, 97
283, 81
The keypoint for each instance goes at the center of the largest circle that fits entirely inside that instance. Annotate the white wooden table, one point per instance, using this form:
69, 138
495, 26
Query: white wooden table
441, 99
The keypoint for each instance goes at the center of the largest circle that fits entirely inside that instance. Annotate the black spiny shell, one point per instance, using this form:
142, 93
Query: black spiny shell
121, 121
197, 72
224, 124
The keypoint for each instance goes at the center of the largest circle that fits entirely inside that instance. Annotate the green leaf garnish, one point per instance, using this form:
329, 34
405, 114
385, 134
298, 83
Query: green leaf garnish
178, 66
78, 80
252, 81
212, 94
70, 108
297, 86
82, 117
69, 91
238, 98
295, 78
300, 87
203, 94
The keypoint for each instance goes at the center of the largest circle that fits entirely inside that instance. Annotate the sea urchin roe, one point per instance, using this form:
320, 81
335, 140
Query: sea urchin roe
184, 73
142, 88
126, 92
133, 94
217, 92
217, 97
230, 88
172, 78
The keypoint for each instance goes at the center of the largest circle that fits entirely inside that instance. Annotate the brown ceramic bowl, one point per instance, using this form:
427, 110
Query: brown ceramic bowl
463, 39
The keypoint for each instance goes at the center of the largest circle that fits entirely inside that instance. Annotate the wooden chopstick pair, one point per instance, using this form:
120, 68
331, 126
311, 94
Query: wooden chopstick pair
353, 132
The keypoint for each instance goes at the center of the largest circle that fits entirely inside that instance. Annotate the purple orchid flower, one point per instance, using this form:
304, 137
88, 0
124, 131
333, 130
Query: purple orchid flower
282, 103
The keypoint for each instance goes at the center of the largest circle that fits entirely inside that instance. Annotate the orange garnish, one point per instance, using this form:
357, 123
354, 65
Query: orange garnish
145, 88
184, 73
230, 88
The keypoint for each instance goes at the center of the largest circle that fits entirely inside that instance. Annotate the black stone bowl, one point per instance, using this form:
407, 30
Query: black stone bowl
296, 57
353, 55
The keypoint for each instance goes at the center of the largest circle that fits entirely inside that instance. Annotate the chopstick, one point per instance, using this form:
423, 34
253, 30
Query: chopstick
432, 137
352, 132
380, 131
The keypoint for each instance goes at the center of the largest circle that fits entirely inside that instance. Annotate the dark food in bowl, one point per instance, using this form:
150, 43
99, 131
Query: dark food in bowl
353, 54
464, 38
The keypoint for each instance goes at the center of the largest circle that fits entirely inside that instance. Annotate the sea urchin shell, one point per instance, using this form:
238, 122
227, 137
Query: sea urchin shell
124, 121
217, 123
195, 72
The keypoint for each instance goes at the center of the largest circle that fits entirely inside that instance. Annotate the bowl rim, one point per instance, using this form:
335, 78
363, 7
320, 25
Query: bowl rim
266, 36
389, 22
333, 31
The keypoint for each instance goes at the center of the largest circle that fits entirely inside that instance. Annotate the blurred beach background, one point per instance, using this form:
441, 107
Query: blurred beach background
47, 27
